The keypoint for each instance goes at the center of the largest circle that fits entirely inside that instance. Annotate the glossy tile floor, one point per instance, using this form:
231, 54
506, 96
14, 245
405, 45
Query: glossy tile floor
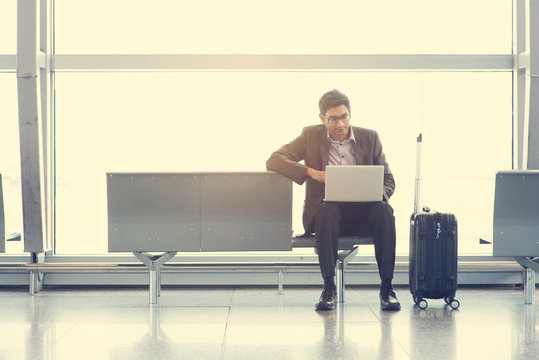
258, 323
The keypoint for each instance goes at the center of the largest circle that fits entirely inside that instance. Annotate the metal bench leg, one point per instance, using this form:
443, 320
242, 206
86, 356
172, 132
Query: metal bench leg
339, 274
154, 263
35, 282
530, 266
154, 285
35, 279
529, 286
158, 282
343, 259
280, 282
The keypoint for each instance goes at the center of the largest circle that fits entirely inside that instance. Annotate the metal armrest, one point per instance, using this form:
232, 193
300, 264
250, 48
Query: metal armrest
13, 237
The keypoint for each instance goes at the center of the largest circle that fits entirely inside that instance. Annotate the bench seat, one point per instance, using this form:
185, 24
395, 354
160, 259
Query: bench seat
206, 211
345, 242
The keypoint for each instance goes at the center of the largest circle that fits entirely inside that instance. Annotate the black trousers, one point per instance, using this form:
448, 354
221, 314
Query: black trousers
375, 219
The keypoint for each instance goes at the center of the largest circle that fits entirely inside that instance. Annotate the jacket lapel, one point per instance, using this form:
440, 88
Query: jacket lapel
358, 147
324, 149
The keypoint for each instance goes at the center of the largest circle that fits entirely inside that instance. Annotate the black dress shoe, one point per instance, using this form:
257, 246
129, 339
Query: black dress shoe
388, 300
327, 300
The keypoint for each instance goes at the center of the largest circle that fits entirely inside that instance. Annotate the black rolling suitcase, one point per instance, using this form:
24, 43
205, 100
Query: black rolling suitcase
433, 252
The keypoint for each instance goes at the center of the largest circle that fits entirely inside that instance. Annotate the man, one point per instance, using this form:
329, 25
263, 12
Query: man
335, 142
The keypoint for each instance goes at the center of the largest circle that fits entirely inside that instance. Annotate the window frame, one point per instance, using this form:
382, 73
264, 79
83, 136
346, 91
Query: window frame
275, 62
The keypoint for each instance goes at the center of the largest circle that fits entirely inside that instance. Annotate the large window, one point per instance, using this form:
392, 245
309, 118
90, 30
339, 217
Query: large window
284, 26
224, 117
9, 126
10, 166
8, 27
232, 121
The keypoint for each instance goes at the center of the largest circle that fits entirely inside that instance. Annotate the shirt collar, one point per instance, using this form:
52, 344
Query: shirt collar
350, 137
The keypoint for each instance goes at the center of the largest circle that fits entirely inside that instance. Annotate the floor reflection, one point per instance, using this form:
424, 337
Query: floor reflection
154, 342
433, 329
333, 340
168, 337
529, 324
41, 334
356, 340
525, 340
491, 324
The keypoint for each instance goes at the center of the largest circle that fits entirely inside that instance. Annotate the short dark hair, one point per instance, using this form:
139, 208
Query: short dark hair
332, 99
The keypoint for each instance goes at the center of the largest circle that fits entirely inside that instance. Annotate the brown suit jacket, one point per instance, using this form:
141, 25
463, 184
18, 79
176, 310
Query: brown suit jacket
312, 146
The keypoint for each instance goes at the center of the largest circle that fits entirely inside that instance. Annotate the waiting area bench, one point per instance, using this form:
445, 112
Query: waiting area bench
3, 237
516, 222
157, 215
2, 221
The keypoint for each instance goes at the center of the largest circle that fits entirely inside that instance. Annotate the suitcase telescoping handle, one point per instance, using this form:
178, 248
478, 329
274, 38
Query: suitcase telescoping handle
417, 173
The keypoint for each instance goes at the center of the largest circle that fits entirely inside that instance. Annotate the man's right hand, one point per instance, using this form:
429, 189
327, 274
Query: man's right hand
317, 175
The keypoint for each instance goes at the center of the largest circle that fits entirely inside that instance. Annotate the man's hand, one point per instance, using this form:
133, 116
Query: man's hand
317, 175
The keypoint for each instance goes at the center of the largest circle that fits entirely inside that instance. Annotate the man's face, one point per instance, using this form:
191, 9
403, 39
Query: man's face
337, 130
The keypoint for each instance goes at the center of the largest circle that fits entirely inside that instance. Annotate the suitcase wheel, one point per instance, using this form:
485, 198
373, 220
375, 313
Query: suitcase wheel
454, 303
422, 303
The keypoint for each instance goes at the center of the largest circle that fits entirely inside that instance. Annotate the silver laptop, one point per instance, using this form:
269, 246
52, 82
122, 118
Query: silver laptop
354, 183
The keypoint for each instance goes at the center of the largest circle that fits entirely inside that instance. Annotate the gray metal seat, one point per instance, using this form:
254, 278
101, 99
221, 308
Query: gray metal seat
194, 212
516, 222
345, 242
2, 221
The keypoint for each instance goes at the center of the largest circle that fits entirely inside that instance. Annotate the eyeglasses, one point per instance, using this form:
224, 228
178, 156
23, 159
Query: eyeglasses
335, 119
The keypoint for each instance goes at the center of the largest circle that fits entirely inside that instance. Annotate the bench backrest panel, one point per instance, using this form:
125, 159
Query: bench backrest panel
246, 212
516, 214
2, 221
153, 211
199, 211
